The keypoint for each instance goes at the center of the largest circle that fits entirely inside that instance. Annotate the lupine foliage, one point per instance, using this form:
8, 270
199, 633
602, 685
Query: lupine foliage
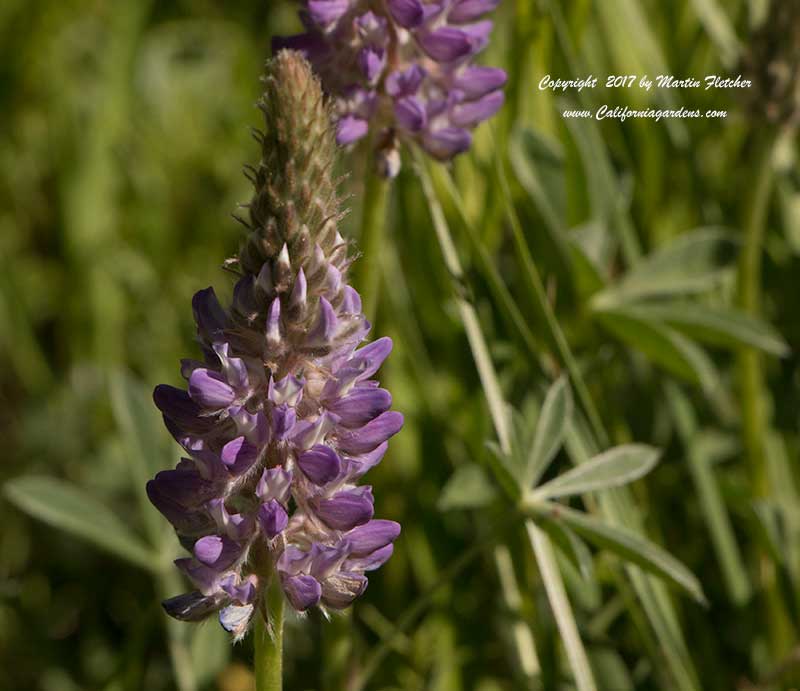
124, 126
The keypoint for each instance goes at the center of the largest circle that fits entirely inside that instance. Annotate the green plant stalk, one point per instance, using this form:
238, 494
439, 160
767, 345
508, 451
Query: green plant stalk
373, 223
534, 279
491, 273
268, 642
751, 376
751, 379
559, 603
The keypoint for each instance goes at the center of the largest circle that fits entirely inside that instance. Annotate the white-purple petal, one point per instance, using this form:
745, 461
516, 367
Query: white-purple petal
284, 418
361, 405
371, 62
307, 433
216, 551
178, 406
477, 81
471, 113
410, 114
350, 129
320, 463
205, 578
242, 592
299, 294
326, 560
273, 328
407, 13
235, 619
356, 466
368, 437
469, 10
405, 82
372, 536
446, 142
446, 44
371, 561
302, 591
345, 510
294, 561
274, 483
288, 390
209, 390
327, 12
272, 518
239, 455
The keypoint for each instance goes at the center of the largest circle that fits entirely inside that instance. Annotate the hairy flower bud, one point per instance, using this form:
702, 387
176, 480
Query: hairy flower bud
282, 417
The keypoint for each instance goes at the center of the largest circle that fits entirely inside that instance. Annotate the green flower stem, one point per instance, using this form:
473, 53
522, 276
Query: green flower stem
268, 662
373, 223
751, 376
467, 312
562, 611
534, 279
490, 271
751, 379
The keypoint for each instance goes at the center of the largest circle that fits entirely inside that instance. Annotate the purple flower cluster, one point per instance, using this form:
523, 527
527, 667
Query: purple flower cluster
403, 68
283, 416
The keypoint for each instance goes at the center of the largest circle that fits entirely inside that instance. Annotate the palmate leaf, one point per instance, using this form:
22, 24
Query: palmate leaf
549, 433
69, 508
690, 264
720, 326
661, 344
627, 544
613, 468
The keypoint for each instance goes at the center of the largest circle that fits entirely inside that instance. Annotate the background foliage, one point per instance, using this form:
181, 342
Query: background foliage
124, 126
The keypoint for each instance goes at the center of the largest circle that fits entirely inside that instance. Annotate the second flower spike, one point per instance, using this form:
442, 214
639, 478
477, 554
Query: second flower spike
403, 70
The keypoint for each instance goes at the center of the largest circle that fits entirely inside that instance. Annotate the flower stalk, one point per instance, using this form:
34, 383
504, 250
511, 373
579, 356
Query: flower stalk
268, 643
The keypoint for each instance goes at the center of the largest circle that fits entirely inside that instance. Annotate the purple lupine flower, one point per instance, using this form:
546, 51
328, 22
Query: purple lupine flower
403, 70
283, 415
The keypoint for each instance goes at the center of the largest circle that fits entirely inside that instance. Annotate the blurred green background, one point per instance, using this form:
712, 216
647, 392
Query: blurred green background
123, 128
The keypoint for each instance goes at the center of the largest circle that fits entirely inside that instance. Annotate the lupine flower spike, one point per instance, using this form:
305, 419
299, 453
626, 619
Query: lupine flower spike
282, 416
402, 69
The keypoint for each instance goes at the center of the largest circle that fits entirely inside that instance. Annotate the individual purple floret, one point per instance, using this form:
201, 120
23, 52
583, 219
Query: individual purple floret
283, 416
402, 69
